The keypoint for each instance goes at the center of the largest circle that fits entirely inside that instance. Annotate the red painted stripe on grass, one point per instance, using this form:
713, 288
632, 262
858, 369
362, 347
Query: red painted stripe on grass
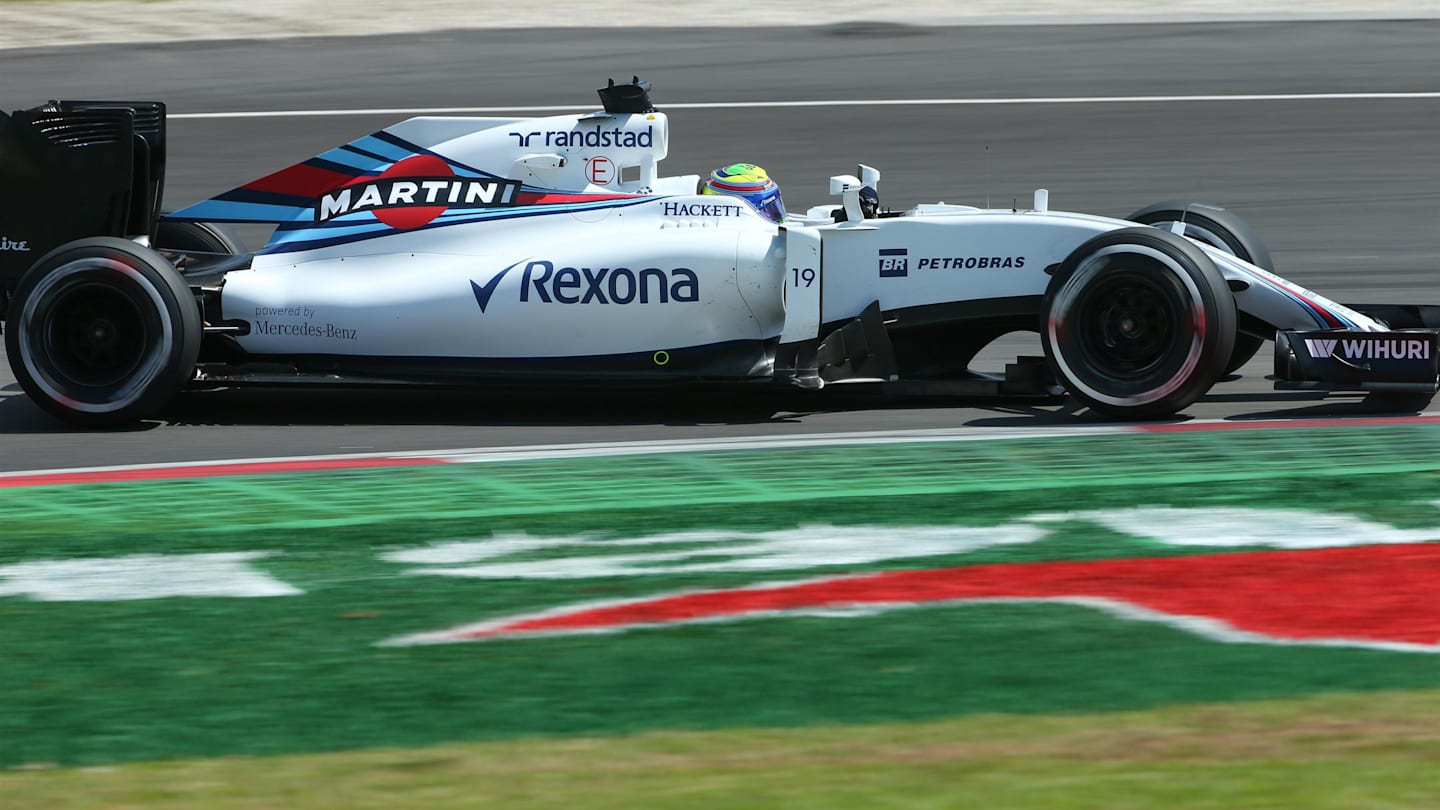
208, 471
1383, 594
1272, 424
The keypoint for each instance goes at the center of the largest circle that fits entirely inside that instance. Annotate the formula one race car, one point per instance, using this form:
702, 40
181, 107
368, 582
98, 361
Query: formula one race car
478, 251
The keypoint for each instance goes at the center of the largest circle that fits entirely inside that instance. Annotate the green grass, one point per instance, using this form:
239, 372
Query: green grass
273, 679
1372, 751
97, 686
1059, 472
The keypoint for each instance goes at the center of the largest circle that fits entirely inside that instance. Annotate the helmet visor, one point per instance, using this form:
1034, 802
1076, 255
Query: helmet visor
769, 204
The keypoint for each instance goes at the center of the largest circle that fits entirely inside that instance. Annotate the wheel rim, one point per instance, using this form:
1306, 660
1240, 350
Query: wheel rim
1135, 377
95, 335
1127, 325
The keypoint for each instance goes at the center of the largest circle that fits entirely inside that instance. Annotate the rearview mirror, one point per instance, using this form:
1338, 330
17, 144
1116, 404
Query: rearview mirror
847, 188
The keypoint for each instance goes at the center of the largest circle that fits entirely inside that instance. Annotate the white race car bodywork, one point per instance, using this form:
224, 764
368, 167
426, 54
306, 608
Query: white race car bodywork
652, 272
629, 280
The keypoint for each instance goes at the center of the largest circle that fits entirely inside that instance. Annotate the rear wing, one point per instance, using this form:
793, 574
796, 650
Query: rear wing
74, 169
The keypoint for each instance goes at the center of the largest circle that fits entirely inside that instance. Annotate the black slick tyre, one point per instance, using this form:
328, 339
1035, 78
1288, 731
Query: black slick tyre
1223, 230
1138, 323
199, 237
102, 332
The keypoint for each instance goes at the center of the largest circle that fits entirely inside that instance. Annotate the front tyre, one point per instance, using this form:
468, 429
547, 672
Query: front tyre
1224, 231
1138, 323
102, 332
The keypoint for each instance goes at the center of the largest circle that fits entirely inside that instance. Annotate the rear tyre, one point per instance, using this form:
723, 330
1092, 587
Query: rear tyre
102, 332
1138, 323
199, 237
1223, 231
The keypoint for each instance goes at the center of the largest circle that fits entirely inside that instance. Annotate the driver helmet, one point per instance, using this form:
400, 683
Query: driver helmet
869, 202
750, 183
869, 205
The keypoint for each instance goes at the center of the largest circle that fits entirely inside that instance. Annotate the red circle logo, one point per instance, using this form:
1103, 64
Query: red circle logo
601, 171
413, 216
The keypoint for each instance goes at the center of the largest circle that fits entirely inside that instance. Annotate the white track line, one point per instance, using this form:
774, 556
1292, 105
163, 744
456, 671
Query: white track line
599, 449
482, 455
910, 102
479, 455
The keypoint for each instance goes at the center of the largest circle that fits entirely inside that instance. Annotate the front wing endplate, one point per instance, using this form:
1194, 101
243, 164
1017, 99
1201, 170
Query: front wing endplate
1352, 360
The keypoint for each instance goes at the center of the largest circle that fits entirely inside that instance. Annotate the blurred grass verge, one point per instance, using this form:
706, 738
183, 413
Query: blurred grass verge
1373, 751
1234, 461
594, 721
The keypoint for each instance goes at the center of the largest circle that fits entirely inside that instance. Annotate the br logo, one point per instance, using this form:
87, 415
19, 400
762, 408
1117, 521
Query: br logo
894, 262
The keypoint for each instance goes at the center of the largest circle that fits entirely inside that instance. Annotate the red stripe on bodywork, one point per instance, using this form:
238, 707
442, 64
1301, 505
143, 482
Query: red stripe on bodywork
1376, 593
300, 180
546, 198
207, 471
1325, 314
1272, 424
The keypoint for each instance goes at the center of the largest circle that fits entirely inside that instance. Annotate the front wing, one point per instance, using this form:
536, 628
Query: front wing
1351, 360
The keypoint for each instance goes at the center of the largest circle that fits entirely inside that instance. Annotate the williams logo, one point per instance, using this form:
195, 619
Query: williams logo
1369, 348
894, 262
415, 191
543, 283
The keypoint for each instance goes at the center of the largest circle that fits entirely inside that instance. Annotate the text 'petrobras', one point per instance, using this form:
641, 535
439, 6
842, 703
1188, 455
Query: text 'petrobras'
969, 262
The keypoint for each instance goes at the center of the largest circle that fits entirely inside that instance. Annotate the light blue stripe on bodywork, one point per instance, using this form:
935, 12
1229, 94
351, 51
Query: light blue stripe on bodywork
305, 234
370, 165
1313, 308
228, 211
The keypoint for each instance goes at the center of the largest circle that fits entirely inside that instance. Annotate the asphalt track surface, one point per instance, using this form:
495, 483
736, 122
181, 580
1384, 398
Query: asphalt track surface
1345, 191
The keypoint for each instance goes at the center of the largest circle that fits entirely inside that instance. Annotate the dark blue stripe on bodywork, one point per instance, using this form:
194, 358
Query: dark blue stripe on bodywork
364, 154
734, 360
